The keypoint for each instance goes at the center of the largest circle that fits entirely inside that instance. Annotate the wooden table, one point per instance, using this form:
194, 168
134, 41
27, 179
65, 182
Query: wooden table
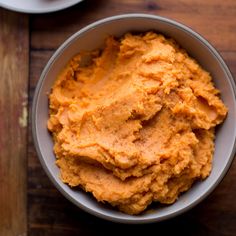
29, 203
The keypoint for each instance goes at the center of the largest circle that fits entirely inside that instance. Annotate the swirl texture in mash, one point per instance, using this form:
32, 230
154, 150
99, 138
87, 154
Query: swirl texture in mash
134, 123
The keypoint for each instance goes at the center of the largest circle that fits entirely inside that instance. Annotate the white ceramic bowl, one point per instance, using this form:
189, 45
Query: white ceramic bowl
37, 6
92, 37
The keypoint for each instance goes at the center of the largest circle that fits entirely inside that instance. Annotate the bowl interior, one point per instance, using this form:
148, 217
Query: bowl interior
92, 37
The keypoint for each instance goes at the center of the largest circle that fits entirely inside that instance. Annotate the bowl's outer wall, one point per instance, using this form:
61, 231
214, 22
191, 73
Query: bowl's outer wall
92, 37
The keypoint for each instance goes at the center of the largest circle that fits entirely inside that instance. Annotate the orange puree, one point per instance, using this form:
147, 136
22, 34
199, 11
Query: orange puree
135, 122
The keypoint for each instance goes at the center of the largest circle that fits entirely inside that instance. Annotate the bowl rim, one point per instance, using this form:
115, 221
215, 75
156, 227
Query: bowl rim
50, 62
63, 6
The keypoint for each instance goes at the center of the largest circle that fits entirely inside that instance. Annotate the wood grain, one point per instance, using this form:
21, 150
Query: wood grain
14, 49
214, 19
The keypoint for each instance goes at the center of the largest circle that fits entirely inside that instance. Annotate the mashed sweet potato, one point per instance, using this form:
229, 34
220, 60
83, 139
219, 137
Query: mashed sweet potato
134, 123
